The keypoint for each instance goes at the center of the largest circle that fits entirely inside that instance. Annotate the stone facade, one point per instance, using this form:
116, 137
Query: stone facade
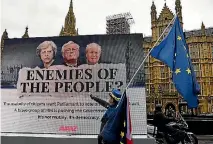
159, 86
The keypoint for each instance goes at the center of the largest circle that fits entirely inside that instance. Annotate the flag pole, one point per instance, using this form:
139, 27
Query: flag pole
150, 52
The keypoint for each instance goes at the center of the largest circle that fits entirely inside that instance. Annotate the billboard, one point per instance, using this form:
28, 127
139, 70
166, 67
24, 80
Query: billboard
47, 82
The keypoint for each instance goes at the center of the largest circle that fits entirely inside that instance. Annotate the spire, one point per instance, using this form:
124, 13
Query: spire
77, 32
165, 14
177, 3
26, 33
62, 31
203, 29
165, 4
153, 7
178, 9
153, 12
70, 21
71, 4
202, 26
3, 37
5, 34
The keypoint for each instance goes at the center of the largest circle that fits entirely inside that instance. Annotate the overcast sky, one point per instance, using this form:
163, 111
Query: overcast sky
46, 17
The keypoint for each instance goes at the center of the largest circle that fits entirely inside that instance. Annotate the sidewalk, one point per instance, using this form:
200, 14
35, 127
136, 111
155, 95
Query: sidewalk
205, 137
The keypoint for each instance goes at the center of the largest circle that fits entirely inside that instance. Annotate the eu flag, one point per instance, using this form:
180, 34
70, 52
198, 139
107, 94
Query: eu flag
173, 51
120, 129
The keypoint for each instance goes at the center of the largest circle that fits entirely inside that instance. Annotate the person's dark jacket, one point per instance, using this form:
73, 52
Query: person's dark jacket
106, 121
109, 112
160, 120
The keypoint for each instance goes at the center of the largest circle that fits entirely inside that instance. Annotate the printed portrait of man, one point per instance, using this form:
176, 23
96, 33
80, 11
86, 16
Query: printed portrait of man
70, 53
47, 51
93, 53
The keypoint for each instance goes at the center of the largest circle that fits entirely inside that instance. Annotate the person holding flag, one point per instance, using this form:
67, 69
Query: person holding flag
119, 131
116, 123
108, 116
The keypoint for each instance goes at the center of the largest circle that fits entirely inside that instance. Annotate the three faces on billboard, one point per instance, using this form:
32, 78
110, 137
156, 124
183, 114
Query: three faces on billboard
70, 52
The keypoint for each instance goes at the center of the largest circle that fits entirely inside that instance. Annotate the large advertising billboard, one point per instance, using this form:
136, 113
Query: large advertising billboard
46, 83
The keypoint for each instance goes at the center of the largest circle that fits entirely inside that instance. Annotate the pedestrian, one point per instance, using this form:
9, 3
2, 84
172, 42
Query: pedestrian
108, 116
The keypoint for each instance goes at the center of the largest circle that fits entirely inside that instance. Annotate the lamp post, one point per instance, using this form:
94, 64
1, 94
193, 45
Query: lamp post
209, 103
147, 96
153, 94
147, 92
128, 57
148, 101
160, 92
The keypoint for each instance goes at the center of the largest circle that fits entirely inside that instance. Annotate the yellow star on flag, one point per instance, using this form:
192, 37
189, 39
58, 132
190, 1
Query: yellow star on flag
121, 143
188, 71
177, 71
175, 54
122, 134
124, 124
187, 55
179, 38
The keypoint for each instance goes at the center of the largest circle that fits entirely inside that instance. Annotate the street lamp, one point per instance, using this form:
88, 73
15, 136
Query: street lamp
153, 94
128, 57
160, 92
152, 89
147, 95
147, 92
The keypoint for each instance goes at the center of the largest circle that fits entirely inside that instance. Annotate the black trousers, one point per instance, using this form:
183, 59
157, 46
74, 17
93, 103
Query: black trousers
101, 141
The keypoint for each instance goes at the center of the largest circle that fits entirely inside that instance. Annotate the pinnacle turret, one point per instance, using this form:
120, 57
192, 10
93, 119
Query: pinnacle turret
153, 12
3, 37
26, 35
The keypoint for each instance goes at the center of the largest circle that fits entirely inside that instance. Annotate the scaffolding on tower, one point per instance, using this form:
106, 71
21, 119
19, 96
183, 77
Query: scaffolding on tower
119, 23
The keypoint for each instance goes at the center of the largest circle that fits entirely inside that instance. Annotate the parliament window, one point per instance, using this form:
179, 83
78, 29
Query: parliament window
196, 67
162, 75
166, 87
162, 69
172, 86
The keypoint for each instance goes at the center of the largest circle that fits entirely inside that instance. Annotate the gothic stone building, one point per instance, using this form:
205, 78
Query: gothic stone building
159, 87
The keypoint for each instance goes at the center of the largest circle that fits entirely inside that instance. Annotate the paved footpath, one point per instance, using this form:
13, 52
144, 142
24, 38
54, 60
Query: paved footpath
205, 139
205, 142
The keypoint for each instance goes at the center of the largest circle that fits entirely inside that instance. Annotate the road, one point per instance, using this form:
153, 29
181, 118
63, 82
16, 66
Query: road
205, 142
205, 139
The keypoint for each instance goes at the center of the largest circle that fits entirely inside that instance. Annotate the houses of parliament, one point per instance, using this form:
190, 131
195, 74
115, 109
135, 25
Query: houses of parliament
159, 86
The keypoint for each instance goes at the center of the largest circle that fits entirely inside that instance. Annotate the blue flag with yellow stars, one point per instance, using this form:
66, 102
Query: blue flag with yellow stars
173, 51
119, 131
